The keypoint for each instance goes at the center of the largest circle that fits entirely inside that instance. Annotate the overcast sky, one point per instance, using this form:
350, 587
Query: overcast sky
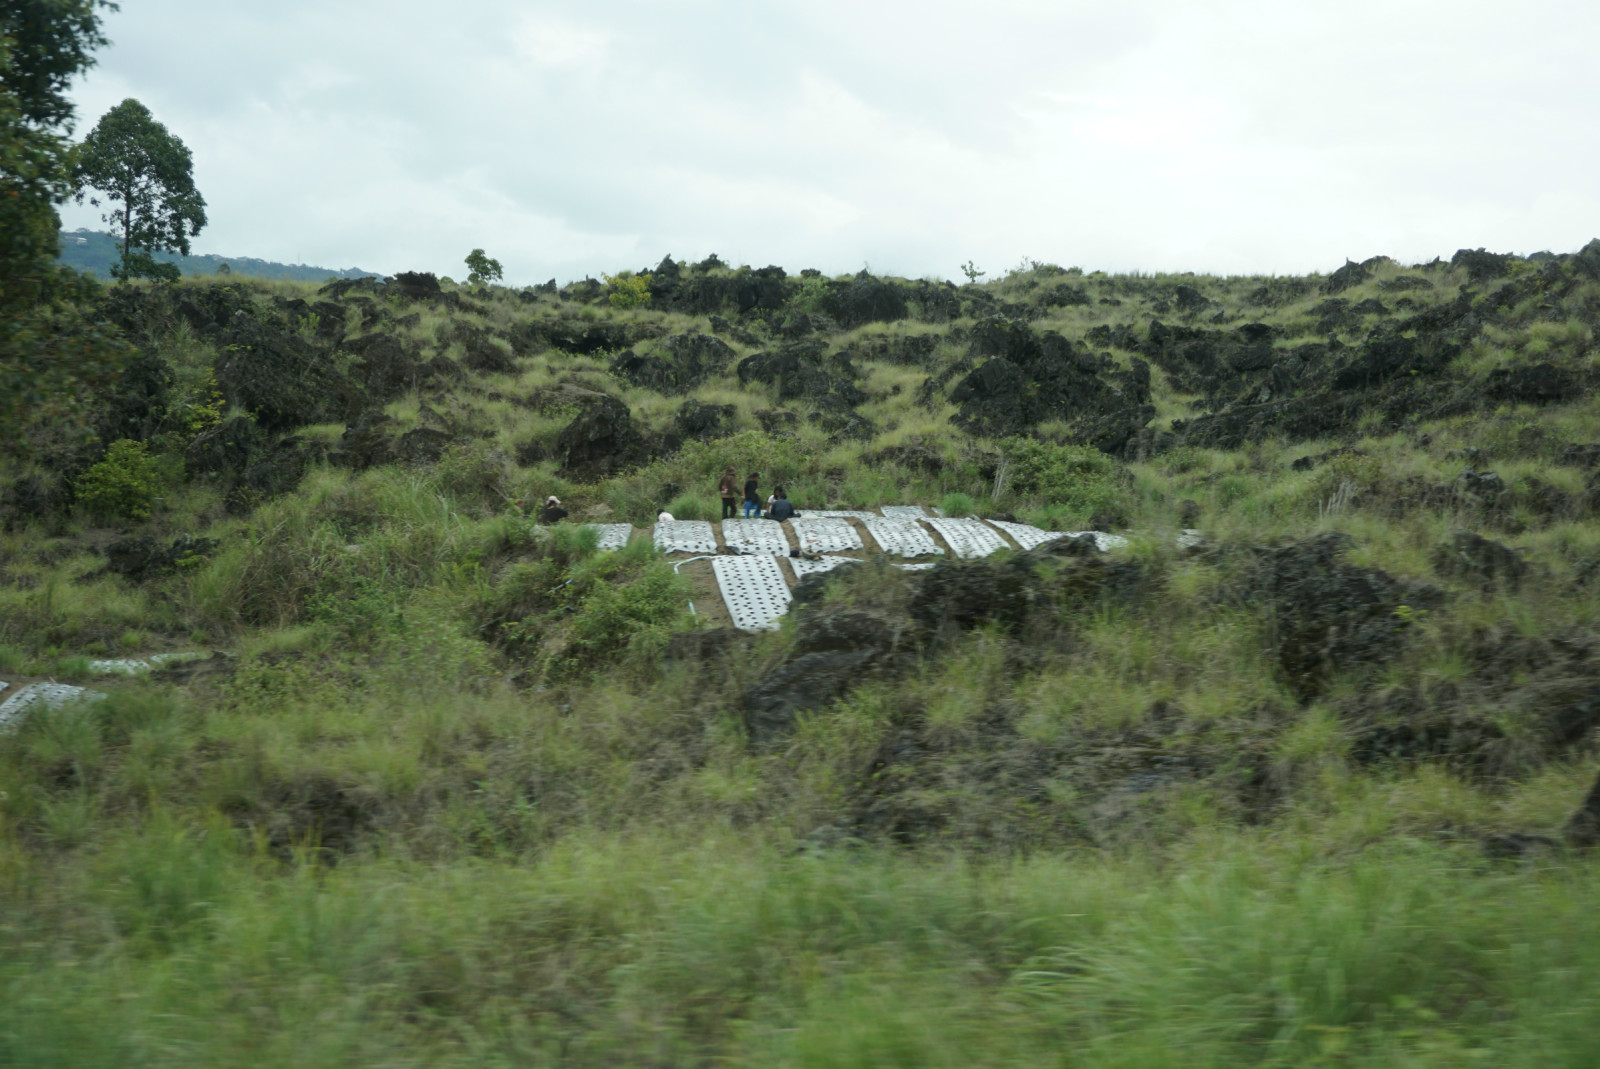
1230, 136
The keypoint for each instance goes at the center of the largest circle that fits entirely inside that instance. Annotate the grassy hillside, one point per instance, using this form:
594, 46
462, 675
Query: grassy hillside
94, 253
456, 789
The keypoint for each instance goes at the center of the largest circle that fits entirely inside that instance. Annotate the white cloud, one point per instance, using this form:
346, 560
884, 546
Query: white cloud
1240, 135
553, 43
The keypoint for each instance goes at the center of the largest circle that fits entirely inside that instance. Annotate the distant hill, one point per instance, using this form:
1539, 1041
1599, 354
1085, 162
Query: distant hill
93, 252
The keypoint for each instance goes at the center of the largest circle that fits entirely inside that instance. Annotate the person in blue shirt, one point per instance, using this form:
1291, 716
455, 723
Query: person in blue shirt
752, 495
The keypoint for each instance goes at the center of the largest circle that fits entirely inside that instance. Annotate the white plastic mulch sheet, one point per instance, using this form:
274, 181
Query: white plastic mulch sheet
902, 538
755, 536
753, 589
133, 666
915, 567
1026, 535
1105, 541
825, 534
839, 514
903, 512
968, 537
613, 536
686, 536
51, 695
803, 568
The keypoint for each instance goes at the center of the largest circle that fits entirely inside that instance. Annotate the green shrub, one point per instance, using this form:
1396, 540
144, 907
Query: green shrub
629, 291
958, 504
695, 507
1079, 477
617, 616
812, 295
123, 485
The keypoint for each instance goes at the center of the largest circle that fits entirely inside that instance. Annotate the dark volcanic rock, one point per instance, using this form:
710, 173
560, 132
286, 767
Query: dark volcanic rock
414, 286
865, 299
1583, 827
1482, 266
601, 441
680, 362
1402, 283
1538, 384
1473, 557
227, 448
1032, 377
702, 421
279, 378
479, 353
1351, 274
133, 405
386, 365
833, 652
139, 557
1326, 615
802, 373
422, 445
366, 442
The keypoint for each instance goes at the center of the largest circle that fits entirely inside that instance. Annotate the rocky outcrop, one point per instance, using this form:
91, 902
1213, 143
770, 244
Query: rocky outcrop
676, 364
279, 378
1326, 615
602, 440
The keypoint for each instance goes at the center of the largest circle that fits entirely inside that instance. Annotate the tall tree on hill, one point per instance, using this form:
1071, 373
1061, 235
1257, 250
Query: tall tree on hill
50, 358
145, 175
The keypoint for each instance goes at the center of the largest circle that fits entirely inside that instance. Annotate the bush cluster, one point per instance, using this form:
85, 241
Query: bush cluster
123, 485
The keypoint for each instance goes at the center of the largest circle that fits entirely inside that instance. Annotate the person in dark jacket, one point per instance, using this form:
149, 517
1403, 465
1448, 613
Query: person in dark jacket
728, 490
752, 495
552, 511
781, 509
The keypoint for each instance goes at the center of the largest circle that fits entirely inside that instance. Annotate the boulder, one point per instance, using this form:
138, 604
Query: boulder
226, 449
1488, 563
1351, 274
414, 286
1325, 615
1542, 383
601, 441
280, 378
679, 363
366, 442
700, 421
833, 652
1482, 266
139, 557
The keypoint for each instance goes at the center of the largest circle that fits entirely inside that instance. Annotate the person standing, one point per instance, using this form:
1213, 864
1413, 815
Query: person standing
752, 495
728, 490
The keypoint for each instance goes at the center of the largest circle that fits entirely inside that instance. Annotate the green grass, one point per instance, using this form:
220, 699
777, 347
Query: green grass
457, 803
